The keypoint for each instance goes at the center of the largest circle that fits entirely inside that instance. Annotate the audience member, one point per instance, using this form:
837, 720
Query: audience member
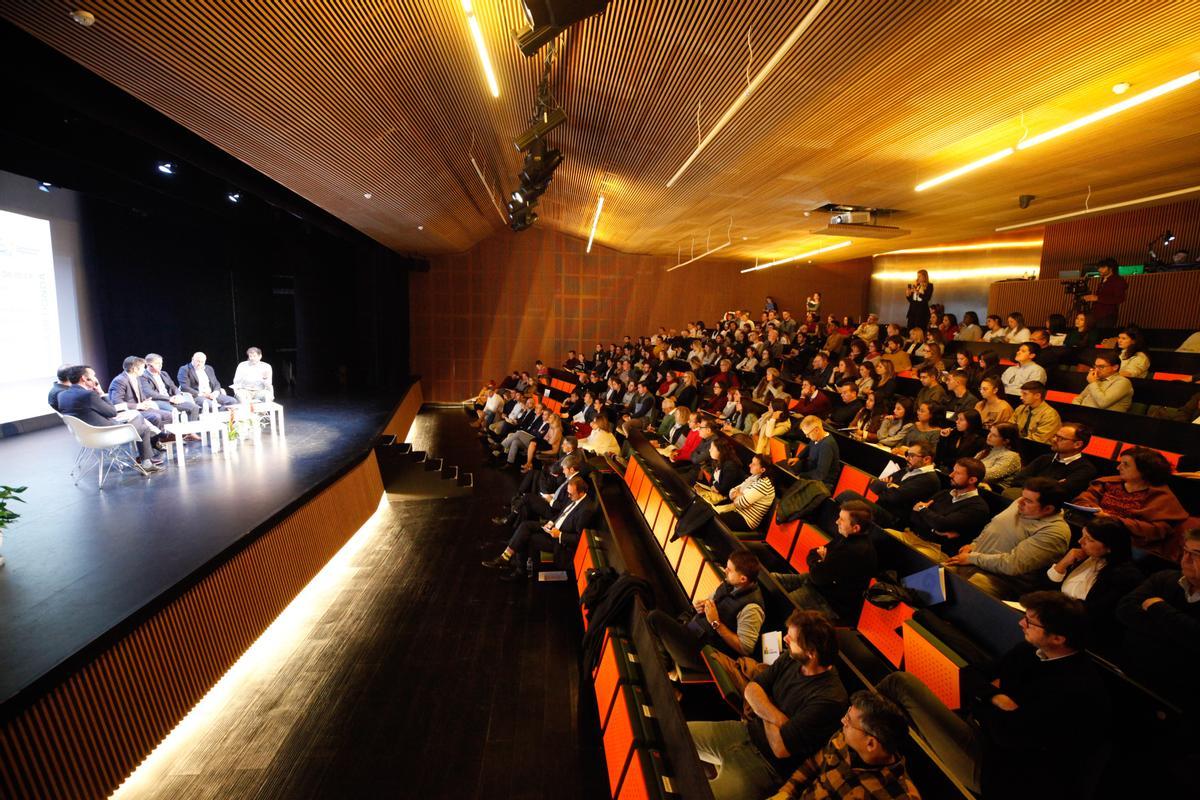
839, 572
960, 397
812, 401
1025, 370
1016, 332
926, 429
1162, 626
1106, 388
820, 460
931, 390
1132, 346
918, 294
992, 408
1035, 418
995, 329
1109, 295
1014, 742
847, 409
729, 619
894, 352
955, 516
1083, 335
1000, 458
965, 440
751, 499
601, 440
896, 498
1015, 548
533, 536
862, 760
896, 425
1099, 571
1139, 497
1064, 463
793, 706
970, 330
868, 331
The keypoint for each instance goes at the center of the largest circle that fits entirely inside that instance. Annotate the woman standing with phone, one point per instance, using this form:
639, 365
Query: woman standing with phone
918, 295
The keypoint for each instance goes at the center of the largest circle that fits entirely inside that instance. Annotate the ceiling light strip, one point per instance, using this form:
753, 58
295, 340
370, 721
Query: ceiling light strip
758, 79
477, 35
963, 170
1147, 199
962, 248
789, 259
1115, 108
595, 220
1007, 271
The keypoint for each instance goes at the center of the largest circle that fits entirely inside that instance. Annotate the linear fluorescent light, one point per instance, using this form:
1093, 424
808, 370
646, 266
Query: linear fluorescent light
762, 75
595, 219
477, 35
1115, 108
963, 170
1147, 199
789, 259
962, 248
1011, 271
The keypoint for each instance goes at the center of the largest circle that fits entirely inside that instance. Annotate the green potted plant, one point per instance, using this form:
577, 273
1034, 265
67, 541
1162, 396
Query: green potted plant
7, 516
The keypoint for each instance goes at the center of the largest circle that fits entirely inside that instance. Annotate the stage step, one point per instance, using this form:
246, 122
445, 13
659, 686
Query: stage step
410, 474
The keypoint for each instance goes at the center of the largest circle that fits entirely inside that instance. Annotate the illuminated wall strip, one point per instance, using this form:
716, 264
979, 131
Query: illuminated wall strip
962, 248
1147, 199
790, 259
595, 220
477, 35
1115, 108
1013, 271
963, 170
762, 75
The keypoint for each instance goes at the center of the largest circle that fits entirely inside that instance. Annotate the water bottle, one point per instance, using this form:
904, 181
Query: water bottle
529, 566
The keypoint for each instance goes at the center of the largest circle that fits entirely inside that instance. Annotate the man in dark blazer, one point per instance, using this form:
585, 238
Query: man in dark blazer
955, 516
1065, 462
200, 381
127, 388
533, 536
158, 386
85, 401
896, 498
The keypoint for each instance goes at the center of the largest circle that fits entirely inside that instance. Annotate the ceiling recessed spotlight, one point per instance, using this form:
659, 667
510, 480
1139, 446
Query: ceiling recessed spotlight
744, 238
366, 195
166, 168
45, 186
234, 197
420, 227
1120, 88
85, 18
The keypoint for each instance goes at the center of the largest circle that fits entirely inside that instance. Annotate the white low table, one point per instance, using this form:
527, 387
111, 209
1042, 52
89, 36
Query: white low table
207, 426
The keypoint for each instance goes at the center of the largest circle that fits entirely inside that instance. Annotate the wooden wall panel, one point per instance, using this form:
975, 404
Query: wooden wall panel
515, 298
84, 736
405, 413
1160, 300
1123, 236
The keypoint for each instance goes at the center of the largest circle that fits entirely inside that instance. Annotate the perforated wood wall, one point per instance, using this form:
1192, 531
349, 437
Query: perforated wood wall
81, 738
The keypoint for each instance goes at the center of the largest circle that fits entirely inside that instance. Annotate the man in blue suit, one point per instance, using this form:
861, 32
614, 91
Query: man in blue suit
127, 388
533, 536
198, 379
158, 386
85, 401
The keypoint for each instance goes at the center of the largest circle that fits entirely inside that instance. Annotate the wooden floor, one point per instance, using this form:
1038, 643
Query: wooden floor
417, 673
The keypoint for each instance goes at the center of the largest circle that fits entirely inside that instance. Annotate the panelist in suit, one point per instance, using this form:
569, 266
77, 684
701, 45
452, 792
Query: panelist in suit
198, 379
252, 382
533, 536
59, 386
127, 388
158, 386
85, 401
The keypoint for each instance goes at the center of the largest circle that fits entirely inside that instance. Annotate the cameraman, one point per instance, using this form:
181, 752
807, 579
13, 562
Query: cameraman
1109, 295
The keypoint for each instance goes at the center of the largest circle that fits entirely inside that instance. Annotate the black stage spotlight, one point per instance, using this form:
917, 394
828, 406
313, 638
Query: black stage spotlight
548, 18
546, 120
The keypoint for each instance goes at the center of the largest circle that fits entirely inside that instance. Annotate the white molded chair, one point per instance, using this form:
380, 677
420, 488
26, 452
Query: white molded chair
109, 444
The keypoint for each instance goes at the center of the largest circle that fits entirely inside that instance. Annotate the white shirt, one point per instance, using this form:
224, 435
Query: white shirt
1079, 581
566, 513
159, 384
202, 380
252, 376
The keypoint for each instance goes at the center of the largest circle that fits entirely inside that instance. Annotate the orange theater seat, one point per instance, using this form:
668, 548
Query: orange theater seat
643, 493
854, 479
1172, 376
1171, 457
664, 525
628, 727
674, 550
1060, 397
690, 564
778, 450
710, 580
1102, 448
651, 510
809, 539
631, 471
881, 627
582, 565
782, 536
933, 662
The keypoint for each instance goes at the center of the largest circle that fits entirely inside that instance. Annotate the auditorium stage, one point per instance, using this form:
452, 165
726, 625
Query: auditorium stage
81, 561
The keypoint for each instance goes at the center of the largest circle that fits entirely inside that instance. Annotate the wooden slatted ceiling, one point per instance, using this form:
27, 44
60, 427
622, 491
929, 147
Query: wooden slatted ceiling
334, 99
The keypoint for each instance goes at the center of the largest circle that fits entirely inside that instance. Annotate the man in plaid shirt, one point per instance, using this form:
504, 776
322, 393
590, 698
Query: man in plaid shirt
861, 760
